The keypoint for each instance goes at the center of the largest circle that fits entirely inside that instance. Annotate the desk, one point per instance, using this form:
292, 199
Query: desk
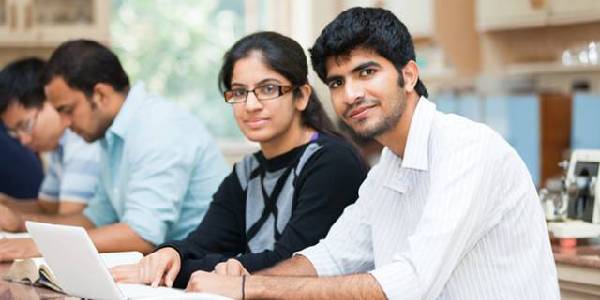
18, 291
578, 270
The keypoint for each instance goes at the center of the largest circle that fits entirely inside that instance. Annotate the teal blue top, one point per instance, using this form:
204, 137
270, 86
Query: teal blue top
159, 169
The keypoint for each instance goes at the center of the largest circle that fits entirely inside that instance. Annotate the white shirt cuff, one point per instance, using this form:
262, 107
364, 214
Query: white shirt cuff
320, 258
398, 281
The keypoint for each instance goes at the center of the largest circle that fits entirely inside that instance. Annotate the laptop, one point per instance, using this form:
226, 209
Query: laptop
80, 271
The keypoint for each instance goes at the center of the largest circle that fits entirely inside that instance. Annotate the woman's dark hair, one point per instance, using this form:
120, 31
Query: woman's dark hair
20, 81
369, 28
286, 57
85, 63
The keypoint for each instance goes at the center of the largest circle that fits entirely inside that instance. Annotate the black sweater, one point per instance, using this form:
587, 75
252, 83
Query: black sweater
325, 177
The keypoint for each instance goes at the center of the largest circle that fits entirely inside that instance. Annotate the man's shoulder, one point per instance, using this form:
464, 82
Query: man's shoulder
454, 129
163, 119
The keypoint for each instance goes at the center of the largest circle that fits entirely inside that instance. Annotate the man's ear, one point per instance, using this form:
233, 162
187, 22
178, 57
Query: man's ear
102, 93
302, 102
410, 74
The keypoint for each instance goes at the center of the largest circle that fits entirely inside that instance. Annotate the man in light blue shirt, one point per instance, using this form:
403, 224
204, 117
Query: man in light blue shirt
159, 165
171, 165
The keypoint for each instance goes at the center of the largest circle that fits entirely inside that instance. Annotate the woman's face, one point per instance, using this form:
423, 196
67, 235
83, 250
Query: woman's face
264, 121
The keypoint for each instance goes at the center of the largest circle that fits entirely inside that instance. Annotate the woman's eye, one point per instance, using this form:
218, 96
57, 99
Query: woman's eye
268, 89
239, 92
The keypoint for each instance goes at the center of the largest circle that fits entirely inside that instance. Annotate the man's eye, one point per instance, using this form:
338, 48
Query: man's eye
335, 83
65, 110
366, 72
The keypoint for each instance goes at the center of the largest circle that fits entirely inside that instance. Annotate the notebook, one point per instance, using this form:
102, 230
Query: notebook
80, 271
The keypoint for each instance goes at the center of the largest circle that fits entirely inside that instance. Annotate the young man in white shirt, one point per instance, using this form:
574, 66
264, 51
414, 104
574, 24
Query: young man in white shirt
450, 211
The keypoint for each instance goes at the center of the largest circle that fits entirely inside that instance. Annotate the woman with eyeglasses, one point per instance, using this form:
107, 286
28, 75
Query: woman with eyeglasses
280, 199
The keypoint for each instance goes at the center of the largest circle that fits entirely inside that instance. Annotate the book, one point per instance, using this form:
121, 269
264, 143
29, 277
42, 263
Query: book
35, 271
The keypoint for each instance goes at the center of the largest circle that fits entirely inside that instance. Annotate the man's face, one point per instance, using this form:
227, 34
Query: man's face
47, 130
365, 92
76, 111
19, 120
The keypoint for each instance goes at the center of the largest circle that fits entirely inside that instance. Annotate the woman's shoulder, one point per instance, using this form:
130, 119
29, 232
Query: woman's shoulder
331, 150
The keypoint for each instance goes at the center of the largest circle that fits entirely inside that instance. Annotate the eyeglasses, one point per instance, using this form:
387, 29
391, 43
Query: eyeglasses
25, 127
262, 92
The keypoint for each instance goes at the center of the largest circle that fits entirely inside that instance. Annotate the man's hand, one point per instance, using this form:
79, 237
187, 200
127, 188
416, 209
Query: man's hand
231, 267
228, 286
158, 268
10, 220
11, 249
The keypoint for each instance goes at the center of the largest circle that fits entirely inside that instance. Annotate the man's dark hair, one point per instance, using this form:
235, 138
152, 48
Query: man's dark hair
368, 28
83, 64
20, 81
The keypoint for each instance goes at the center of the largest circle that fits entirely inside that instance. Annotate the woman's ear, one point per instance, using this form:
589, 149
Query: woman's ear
301, 102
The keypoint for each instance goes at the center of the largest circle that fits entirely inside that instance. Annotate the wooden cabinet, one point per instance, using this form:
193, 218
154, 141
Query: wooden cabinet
573, 11
516, 118
510, 14
50, 22
416, 15
507, 14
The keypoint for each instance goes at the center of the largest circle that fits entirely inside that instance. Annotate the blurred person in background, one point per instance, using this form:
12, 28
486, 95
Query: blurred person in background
159, 164
73, 166
21, 97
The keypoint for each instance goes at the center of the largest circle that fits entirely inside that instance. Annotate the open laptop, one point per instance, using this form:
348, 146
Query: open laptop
79, 270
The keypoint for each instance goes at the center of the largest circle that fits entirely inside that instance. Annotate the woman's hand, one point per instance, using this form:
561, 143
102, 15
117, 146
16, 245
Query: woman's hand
158, 268
232, 267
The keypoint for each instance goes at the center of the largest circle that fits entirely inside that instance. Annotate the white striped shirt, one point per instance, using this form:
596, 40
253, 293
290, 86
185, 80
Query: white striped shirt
458, 218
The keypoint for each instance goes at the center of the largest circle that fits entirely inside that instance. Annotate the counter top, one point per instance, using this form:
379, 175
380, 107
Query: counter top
587, 256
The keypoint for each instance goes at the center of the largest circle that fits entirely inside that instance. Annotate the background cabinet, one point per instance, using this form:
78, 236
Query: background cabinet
50, 22
510, 14
506, 14
516, 118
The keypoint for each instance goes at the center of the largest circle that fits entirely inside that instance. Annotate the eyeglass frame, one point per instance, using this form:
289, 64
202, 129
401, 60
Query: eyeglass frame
26, 128
281, 90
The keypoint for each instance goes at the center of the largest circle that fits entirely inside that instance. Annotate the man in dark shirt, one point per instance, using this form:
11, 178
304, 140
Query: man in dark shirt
21, 96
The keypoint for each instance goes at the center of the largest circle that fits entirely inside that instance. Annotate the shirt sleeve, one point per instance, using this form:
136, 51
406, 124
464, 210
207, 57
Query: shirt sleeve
450, 225
100, 210
347, 247
157, 184
50, 188
81, 169
73, 172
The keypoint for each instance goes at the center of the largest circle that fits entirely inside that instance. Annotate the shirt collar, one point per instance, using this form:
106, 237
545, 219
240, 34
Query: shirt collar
417, 151
128, 111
